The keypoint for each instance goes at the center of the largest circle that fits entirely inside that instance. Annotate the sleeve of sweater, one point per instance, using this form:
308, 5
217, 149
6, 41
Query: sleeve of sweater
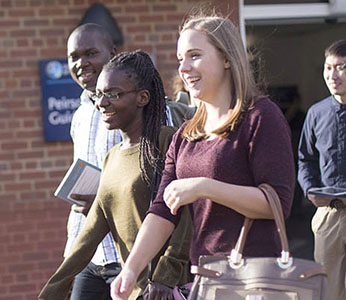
270, 150
173, 266
93, 232
308, 156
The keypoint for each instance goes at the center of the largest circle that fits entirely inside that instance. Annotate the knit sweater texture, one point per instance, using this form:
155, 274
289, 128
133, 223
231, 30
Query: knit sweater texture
258, 151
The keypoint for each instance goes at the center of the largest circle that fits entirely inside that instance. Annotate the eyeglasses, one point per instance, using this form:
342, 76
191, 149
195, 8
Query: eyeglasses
110, 95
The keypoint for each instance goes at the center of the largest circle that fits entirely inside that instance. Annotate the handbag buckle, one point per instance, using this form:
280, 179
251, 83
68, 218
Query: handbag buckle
285, 261
235, 260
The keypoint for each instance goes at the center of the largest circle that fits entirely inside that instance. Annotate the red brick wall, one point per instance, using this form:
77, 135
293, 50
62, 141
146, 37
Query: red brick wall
32, 221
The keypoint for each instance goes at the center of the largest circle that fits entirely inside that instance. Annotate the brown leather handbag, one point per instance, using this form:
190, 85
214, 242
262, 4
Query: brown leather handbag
265, 278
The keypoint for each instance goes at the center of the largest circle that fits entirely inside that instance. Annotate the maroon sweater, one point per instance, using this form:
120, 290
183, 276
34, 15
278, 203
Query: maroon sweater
258, 151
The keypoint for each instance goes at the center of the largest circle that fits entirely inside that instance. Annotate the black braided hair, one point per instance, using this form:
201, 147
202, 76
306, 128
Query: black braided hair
146, 77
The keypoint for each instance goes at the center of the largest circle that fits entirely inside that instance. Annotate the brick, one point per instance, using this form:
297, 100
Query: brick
36, 23
9, 23
137, 9
46, 12
13, 124
30, 154
7, 156
26, 83
15, 297
23, 33
46, 184
6, 3
37, 43
32, 175
126, 19
13, 104
166, 27
52, 53
22, 277
164, 7
139, 28
31, 165
151, 19
32, 196
72, 22
8, 197
29, 134
56, 153
11, 64
29, 123
46, 164
17, 186
24, 53
7, 177
26, 93
34, 256
14, 145
23, 43
6, 135
27, 114
16, 166
24, 287
33, 295
7, 279
56, 174
177, 18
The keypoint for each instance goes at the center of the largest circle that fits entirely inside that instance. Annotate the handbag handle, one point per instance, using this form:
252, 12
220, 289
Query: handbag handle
272, 197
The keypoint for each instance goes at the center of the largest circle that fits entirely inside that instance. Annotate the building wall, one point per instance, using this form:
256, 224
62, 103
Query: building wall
32, 221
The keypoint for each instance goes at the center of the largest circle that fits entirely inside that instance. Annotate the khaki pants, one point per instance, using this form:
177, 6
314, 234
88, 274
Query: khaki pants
329, 228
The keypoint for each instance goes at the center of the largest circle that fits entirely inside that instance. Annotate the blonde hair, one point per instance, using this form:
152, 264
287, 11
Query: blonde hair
224, 36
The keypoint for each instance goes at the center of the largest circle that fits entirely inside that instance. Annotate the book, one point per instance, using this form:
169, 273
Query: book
81, 178
331, 192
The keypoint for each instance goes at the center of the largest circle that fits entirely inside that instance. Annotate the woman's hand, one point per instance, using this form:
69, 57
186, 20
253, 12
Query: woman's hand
183, 191
123, 285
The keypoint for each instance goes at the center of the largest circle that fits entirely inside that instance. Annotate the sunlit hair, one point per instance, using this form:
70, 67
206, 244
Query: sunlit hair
224, 36
142, 72
338, 48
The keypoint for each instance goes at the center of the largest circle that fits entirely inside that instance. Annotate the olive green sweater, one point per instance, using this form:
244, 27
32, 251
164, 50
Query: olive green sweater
120, 207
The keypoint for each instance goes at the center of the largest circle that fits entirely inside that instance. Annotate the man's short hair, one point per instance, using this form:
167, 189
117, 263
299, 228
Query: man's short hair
92, 27
338, 48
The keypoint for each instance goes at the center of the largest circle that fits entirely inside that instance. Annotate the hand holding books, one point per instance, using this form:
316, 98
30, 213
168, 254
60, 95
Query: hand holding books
79, 185
87, 201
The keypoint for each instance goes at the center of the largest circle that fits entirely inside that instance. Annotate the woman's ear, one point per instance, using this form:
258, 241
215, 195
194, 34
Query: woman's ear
143, 98
227, 64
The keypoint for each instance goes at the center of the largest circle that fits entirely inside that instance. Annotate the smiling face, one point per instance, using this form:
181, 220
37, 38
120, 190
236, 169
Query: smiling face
201, 66
87, 52
334, 74
123, 110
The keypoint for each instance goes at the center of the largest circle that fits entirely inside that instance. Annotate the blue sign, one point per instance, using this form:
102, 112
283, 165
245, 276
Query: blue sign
60, 99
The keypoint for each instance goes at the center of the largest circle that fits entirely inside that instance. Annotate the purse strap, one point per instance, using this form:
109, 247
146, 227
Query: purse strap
273, 199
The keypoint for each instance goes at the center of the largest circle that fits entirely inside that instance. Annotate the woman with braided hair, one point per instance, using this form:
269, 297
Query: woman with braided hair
131, 98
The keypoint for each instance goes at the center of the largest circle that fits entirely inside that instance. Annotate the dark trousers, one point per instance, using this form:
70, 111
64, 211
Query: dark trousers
93, 283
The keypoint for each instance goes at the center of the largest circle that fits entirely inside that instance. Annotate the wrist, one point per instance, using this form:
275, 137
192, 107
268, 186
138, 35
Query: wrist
202, 187
132, 268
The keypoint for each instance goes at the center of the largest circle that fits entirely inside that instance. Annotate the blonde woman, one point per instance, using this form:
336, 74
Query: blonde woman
237, 140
